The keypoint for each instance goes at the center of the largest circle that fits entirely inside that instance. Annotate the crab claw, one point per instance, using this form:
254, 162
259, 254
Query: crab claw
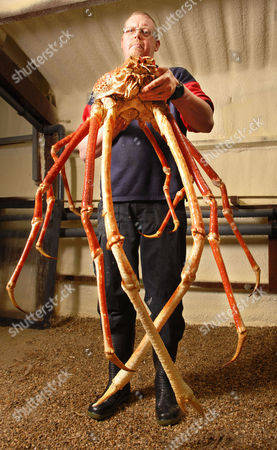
112, 389
75, 211
43, 253
241, 339
160, 231
258, 273
152, 236
10, 289
193, 402
115, 360
176, 226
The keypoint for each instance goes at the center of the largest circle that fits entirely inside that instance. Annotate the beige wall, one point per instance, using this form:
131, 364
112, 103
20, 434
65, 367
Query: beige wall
16, 181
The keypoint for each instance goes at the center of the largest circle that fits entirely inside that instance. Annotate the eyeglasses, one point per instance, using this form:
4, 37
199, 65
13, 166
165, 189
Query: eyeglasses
144, 31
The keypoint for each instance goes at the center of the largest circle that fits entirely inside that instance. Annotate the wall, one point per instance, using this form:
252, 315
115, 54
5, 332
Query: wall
16, 181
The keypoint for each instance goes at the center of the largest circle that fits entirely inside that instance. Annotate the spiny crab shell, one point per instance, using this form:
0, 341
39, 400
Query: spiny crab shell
127, 80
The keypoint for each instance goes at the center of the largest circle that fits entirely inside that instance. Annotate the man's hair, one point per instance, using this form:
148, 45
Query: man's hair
144, 14
155, 34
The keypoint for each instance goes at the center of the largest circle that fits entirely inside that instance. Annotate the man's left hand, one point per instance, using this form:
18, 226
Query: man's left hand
161, 88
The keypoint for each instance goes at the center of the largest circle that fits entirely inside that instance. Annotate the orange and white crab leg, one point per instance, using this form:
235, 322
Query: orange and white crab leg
50, 201
226, 209
189, 271
213, 236
167, 172
54, 150
50, 195
37, 220
96, 120
122, 377
130, 283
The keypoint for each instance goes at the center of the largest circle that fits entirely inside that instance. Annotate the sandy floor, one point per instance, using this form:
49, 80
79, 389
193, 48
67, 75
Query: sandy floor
66, 366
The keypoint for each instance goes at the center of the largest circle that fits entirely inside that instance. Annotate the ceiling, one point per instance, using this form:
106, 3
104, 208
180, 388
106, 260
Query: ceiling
212, 38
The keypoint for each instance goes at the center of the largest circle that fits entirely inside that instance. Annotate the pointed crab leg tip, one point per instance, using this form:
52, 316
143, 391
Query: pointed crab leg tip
196, 405
176, 226
258, 273
236, 355
240, 343
152, 236
109, 392
43, 253
20, 309
12, 298
77, 212
228, 363
193, 402
115, 360
255, 288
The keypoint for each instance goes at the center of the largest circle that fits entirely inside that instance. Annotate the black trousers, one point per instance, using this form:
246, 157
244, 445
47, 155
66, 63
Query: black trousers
162, 260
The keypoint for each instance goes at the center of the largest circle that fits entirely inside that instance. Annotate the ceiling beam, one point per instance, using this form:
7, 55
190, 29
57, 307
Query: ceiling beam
25, 93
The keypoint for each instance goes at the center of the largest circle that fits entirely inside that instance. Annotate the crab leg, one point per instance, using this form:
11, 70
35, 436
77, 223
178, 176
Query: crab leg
54, 150
227, 212
95, 249
178, 197
130, 283
214, 239
49, 208
187, 276
167, 172
37, 220
51, 198
188, 272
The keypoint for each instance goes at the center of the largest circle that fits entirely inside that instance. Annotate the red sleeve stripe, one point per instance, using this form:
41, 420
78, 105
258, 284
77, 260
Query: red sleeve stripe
86, 112
195, 88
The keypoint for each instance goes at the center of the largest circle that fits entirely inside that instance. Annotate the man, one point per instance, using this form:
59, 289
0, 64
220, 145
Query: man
140, 207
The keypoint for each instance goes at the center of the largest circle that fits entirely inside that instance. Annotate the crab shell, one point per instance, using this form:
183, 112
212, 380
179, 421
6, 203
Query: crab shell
127, 80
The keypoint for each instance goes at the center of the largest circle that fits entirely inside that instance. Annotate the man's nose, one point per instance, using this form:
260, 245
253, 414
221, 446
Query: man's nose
138, 32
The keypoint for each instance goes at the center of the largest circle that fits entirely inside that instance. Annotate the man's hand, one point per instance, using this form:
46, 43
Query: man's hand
194, 110
161, 88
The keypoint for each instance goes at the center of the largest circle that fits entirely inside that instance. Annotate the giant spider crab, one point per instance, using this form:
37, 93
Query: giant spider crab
116, 95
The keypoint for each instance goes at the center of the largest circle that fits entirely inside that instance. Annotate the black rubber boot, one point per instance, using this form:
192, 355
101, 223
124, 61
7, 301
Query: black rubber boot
167, 409
123, 346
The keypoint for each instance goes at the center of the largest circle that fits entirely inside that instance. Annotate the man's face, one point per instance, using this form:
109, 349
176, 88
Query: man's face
135, 44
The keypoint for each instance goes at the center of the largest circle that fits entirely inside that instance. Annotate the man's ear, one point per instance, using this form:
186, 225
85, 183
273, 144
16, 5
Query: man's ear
157, 46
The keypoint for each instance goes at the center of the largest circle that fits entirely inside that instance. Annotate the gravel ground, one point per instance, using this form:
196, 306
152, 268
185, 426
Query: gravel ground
66, 366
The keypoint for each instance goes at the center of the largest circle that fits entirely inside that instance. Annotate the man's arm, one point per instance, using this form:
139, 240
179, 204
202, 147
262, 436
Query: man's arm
194, 110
